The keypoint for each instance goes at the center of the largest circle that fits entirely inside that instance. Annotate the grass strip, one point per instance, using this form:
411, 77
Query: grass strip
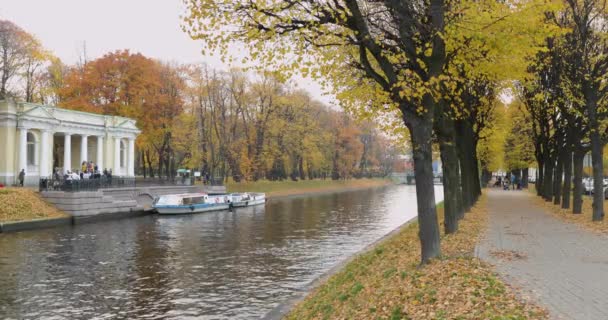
289, 187
388, 283
22, 204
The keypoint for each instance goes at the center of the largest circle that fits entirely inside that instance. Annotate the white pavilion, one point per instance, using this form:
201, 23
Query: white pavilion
41, 138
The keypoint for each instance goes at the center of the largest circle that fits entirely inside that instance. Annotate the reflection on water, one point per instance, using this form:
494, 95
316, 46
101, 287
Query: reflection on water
214, 265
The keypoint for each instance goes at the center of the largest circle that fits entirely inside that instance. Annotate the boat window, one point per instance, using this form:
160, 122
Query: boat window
198, 200
169, 200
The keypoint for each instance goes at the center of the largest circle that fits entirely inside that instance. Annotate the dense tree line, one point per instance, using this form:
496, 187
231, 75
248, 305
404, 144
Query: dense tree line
260, 128
436, 65
565, 104
224, 124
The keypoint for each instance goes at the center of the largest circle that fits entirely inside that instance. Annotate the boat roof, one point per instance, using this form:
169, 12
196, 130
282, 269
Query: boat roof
185, 195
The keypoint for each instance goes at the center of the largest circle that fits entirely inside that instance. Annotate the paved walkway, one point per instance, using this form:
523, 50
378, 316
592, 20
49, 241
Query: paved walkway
564, 267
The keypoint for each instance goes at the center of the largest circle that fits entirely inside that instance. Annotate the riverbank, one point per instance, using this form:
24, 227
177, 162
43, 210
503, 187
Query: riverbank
386, 282
275, 189
22, 204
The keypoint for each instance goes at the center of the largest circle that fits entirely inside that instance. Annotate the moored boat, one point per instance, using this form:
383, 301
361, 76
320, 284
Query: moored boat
247, 199
191, 203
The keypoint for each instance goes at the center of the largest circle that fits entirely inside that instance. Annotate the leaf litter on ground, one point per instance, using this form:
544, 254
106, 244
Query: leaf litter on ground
388, 283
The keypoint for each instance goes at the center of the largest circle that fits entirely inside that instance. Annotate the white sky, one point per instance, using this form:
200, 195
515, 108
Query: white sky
151, 27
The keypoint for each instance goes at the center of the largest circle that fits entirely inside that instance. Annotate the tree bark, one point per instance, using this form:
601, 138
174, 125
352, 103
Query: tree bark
548, 180
463, 141
596, 151
421, 133
143, 163
577, 193
540, 183
451, 178
476, 182
557, 180
567, 178
598, 175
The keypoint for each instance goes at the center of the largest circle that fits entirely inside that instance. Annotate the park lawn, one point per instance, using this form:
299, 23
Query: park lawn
289, 187
388, 283
583, 219
22, 204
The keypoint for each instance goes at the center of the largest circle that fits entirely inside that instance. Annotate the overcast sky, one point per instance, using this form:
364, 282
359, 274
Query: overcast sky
151, 27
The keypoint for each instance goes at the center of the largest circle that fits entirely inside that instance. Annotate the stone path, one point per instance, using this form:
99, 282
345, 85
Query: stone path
562, 267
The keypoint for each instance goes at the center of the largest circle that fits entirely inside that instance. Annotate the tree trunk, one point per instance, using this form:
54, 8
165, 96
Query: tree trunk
548, 180
449, 162
301, 168
486, 177
596, 150
421, 134
160, 163
524, 179
577, 193
465, 158
598, 175
445, 131
557, 179
567, 178
476, 183
539, 185
150, 164
143, 163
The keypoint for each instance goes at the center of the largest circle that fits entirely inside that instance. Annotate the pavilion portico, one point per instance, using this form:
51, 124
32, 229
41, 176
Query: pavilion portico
41, 139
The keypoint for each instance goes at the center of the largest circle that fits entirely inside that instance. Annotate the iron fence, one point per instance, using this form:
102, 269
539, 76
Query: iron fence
105, 182
93, 184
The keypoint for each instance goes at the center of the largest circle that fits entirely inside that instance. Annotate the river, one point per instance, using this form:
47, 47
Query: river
216, 265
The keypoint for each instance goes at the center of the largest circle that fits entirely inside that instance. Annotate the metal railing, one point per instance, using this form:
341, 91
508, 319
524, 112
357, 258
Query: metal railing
92, 184
105, 182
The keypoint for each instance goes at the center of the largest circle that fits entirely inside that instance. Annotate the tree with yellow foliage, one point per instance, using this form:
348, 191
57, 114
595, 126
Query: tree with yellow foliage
398, 48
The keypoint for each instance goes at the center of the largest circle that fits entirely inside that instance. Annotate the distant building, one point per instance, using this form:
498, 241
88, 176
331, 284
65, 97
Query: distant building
403, 163
40, 138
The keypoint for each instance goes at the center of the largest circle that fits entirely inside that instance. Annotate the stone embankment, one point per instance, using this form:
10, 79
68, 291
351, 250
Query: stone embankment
116, 202
79, 207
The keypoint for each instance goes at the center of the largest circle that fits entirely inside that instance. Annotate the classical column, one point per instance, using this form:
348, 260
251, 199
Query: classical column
84, 149
131, 158
116, 170
22, 149
100, 153
45, 154
67, 152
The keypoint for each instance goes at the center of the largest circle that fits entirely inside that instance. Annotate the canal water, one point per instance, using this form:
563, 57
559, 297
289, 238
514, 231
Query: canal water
217, 265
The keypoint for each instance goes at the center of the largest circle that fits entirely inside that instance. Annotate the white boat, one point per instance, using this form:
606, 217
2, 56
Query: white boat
247, 199
191, 203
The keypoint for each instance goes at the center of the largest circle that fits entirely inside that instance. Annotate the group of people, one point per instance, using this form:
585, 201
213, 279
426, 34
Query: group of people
89, 170
509, 182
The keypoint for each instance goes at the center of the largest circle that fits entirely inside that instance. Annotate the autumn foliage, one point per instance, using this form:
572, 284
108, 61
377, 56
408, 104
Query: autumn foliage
247, 126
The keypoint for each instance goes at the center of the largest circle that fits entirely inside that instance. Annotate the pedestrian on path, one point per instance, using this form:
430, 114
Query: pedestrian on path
21, 177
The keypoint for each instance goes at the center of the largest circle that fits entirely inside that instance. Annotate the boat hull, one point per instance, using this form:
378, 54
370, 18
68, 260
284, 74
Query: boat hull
187, 209
249, 203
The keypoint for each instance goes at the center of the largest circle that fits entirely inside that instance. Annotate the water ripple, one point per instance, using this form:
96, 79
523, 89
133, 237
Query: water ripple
216, 265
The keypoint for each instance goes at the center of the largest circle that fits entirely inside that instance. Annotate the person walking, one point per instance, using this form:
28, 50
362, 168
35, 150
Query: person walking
21, 177
513, 180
